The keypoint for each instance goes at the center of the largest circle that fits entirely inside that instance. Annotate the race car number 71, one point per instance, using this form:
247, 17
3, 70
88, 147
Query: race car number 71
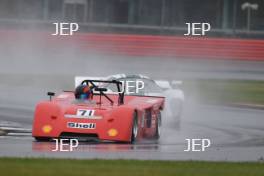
85, 112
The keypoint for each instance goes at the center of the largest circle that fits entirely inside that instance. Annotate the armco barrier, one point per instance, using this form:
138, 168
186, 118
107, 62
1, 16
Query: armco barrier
146, 45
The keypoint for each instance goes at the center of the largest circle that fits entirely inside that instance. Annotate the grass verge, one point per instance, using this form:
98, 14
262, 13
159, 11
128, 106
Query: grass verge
226, 91
65, 167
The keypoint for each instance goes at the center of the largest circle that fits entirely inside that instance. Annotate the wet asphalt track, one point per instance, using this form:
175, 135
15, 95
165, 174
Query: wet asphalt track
236, 134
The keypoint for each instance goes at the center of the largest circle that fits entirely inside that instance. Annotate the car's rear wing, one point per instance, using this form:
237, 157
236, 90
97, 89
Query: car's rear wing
164, 84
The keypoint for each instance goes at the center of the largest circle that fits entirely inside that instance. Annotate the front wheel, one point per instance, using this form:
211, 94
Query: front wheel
134, 128
158, 126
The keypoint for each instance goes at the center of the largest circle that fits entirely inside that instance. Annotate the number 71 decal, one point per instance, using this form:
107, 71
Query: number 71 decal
85, 112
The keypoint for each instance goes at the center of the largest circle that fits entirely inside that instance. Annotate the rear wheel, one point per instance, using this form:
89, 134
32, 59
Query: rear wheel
158, 126
134, 128
42, 139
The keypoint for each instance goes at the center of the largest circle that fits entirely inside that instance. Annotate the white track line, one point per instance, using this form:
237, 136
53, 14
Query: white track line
16, 130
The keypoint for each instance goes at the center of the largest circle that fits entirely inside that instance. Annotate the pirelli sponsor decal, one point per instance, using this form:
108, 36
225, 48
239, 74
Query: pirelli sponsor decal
81, 125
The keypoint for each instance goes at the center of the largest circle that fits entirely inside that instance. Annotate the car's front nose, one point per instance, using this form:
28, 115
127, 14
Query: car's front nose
56, 123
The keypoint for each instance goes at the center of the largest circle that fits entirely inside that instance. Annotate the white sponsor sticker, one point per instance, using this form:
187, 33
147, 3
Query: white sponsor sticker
81, 125
85, 113
151, 100
82, 117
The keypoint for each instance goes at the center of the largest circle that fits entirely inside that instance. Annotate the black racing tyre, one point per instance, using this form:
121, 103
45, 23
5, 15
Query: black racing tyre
158, 126
42, 139
134, 133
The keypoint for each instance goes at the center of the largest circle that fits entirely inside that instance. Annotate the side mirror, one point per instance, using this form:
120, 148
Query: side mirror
51, 94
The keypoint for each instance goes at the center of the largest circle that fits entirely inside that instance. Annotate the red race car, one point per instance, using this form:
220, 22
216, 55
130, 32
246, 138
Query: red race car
92, 113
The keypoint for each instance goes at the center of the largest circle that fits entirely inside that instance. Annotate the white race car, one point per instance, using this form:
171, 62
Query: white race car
174, 96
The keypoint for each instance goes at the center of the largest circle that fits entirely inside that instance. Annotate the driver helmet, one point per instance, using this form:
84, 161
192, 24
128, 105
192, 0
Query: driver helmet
83, 92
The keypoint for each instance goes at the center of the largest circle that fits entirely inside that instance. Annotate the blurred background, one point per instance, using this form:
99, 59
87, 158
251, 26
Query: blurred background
135, 36
227, 17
